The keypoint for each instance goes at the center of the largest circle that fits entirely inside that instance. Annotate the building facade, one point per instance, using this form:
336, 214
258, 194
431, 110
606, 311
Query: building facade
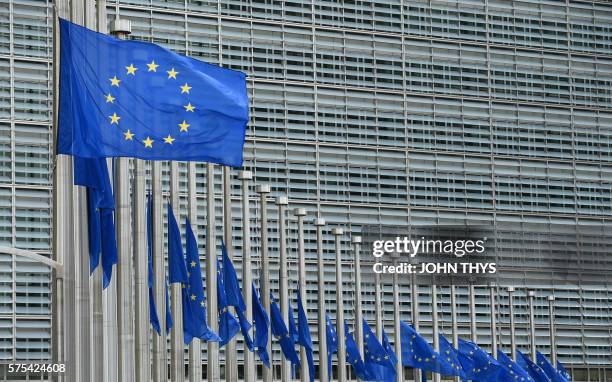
370, 112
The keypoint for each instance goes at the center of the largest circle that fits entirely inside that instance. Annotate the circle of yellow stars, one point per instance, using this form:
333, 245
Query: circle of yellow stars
132, 70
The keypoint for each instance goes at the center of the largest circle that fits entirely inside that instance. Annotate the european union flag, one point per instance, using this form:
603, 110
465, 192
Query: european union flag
352, 355
228, 324
279, 330
123, 98
478, 365
534, 371
563, 371
93, 175
417, 353
377, 361
331, 340
449, 354
549, 369
234, 295
293, 332
262, 323
511, 371
388, 348
177, 272
304, 337
194, 302
153, 318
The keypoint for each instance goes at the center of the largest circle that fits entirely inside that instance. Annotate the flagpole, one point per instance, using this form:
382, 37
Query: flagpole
434, 313
160, 363
356, 240
396, 324
249, 359
473, 327
532, 331
323, 371
551, 325
195, 346
377, 313
264, 286
337, 232
512, 326
453, 292
282, 203
177, 359
231, 362
212, 368
493, 304
300, 213
415, 317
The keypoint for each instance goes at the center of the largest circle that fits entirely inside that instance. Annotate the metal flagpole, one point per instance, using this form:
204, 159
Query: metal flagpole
377, 312
300, 213
396, 333
337, 232
323, 372
473, 328
414, 294
532, 331
125, 317
512, 327
177, 359
434, 323
212, 368
264, 286
356, 240
282, 203
453, 296
195, 346
551, 325
231, 362
160, 363
493, 304
249, 359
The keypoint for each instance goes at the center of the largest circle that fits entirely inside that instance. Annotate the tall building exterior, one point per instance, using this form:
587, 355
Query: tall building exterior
369, 112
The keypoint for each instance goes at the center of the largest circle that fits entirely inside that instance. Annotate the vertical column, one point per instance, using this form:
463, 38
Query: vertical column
377, 312
300, 213
356, 240
337, 232
473, 327
453, 292
553, 334
282, 203
177, 360
434, 313
396, 334
160, 361
212, 369
249, 359
512, 325
532, 330
493, 304
231, 364
264, 286
323, 372
414, 293
195, 347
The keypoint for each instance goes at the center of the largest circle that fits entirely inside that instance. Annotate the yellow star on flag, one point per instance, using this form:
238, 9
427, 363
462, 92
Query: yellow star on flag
169, 139
193, 297
184, 126
193, 264
115, 81
110, 98
114, 118
185, 88
152, 66
202, 303
148, 142
128, 135
189, 107
172, 73
131, 69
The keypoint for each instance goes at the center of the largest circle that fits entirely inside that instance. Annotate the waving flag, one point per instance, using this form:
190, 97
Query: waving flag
169, 322
352, 355
478, 365
280, 332
417, 353
511, 371
228, 324
331, 340
377, 362
534, 371
126, 98
563, 371
293, 332
153, 317
449, 354
262, 324
304, 336
549, 369
177, 271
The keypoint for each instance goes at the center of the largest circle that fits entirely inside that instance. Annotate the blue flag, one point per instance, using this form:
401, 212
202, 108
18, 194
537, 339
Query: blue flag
262, 324
388, 348
127, 98
280, 332
377, 362
331, 340
153, 318
228, 324
234, 296
177, 271
194, 302
304, 338
449, 354
352, 355
169, 322
93, 175
478, 365
563, 371
417, 353
534, 371
511, 371
293, 332
553, 374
